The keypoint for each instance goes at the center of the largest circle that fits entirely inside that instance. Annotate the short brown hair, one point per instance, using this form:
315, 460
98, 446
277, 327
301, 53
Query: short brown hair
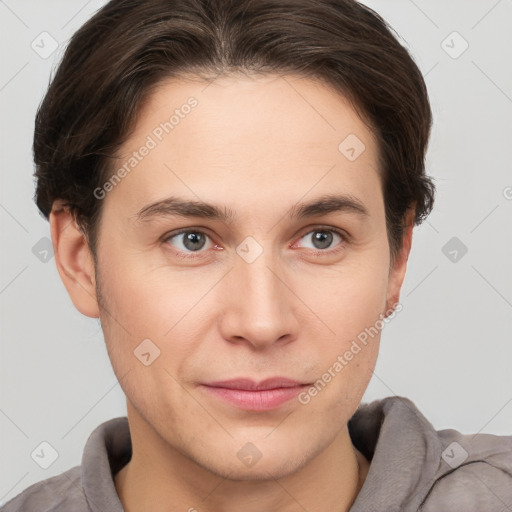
115, 59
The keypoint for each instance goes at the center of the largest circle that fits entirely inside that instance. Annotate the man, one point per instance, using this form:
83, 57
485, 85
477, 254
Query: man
285, 140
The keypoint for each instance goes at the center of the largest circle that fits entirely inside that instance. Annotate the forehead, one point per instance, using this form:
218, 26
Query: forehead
252, 107
246, 133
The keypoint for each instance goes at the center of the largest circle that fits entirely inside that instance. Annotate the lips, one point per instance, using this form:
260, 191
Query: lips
255, 396
250, 385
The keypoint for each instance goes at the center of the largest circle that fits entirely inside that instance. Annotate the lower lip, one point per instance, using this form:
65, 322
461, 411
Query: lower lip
263, 400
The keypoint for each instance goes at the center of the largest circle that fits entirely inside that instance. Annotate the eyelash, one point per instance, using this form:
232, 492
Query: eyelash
315, 253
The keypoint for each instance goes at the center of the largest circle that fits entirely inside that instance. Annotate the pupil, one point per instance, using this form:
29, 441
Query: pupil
193, 241
322, 239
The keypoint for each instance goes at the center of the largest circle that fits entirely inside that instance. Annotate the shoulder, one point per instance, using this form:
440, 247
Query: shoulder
417, 468
88, 485
62, 492
474, 473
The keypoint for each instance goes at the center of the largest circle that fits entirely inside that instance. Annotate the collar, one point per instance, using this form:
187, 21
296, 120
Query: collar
405, 454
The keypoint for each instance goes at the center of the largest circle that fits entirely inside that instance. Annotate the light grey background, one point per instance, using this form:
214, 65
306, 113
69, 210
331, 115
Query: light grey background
449, 350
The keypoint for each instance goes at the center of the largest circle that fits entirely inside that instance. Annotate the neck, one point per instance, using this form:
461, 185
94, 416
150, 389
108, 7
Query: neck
160, 478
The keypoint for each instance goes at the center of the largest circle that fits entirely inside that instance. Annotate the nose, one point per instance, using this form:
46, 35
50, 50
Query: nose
258, 306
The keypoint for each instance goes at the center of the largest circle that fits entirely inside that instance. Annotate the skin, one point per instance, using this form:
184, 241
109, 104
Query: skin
257, 145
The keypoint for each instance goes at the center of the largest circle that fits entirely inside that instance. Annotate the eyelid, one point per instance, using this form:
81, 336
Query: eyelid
323, 227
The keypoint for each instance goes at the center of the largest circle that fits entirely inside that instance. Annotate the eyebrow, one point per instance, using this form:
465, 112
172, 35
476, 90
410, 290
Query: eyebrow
175, 206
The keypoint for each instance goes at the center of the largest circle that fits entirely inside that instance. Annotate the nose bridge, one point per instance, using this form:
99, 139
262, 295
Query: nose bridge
259, 283
253, 266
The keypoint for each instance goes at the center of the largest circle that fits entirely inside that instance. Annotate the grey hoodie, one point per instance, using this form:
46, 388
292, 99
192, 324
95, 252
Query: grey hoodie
413, 467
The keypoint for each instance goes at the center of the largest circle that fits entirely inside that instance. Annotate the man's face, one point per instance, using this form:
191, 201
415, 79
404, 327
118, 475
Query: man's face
263, 293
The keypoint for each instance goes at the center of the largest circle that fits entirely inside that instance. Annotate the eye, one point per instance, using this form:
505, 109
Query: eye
189, 241
322, 239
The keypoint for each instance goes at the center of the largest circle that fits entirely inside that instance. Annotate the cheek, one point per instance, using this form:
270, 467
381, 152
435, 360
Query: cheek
145, 301
147, 297
146, 313
350, 304
350, 298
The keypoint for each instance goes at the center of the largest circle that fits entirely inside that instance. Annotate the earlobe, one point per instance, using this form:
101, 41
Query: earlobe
397, 271
74, 261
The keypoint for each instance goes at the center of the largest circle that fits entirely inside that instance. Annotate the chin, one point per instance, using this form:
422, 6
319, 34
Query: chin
261, 472
248, 463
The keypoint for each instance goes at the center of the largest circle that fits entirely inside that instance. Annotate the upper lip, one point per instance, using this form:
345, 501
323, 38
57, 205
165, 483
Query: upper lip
251, 385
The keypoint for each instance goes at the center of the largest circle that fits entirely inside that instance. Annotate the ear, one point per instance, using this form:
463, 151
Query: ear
399, 266
74, 260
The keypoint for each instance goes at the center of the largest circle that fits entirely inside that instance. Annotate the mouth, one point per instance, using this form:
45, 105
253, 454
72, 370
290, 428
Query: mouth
255, 396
